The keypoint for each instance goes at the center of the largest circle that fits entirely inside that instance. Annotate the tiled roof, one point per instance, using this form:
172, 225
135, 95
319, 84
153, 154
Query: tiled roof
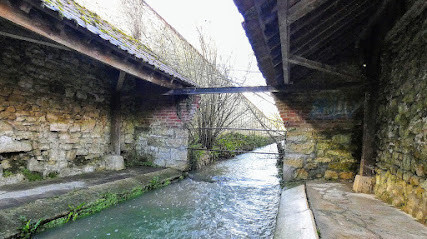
84, 18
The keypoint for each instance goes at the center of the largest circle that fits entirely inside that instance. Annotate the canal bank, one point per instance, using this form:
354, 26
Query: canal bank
235, 198
58, 200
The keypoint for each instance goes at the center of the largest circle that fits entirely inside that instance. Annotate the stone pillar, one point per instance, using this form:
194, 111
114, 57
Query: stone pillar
321, 128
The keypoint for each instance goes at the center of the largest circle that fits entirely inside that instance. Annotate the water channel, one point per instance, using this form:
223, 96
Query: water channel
236, 198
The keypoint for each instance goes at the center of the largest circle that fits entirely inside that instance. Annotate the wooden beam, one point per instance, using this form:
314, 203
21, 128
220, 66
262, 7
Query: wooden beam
263, 50
116, 116
43, 28
283, 89
315, 17
330, 29
301, 9
282, 14
220, 90
297, 60
374, 19
121, 80
27, 39
416, 9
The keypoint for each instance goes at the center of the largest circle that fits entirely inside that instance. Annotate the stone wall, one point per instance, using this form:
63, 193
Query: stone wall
55, 114
402, 119
324, 131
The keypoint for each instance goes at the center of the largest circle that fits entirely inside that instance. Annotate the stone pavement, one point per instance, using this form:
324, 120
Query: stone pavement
339, 213
295, 219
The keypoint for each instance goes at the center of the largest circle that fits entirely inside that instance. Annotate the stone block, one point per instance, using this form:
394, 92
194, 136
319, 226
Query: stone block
296, 163
9, 145
346, 175
300, 148
341, 139
58, 127
301, 174
5, 128
363, 184
329, 174
114, 162
322, 160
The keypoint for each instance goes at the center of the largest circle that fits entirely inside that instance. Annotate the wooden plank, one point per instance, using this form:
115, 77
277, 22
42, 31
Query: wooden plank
301, 9
298, 60
65, 38
282, 14
220, 90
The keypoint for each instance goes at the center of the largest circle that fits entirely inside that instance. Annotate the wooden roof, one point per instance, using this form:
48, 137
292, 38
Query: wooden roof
73, 27
316, 33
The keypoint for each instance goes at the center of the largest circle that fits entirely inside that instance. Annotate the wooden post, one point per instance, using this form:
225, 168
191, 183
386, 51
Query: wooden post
116, 117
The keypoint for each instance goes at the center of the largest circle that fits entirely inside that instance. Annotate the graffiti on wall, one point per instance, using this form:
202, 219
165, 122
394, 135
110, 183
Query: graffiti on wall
333, 108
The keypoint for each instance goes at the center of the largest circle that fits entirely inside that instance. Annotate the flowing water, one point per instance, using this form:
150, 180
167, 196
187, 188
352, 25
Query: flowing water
236, 198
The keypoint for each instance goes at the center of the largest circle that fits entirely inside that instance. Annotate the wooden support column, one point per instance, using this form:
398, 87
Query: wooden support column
282, 15
116, 116
367, 161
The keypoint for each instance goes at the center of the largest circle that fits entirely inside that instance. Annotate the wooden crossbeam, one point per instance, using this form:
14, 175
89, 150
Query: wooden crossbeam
282, 14
284, 89
297, 60
220, 90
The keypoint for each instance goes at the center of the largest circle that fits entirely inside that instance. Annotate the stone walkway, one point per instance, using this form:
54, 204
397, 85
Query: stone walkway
52, 199
17, 194
339, 213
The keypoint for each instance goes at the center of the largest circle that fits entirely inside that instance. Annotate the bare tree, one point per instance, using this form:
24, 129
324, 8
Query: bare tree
216, 111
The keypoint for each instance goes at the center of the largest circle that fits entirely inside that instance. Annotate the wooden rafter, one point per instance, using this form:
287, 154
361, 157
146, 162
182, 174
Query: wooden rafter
302, 8
282, 14
327, 29
301, 61
318, 14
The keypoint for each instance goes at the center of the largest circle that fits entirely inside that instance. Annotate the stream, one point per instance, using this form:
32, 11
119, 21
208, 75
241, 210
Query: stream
235, 198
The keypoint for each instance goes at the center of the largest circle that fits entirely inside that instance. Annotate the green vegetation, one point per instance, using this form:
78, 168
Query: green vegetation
239, 143
106, 201
227, 146
52, 175
132, 159
28, 229
7, 173
32, 176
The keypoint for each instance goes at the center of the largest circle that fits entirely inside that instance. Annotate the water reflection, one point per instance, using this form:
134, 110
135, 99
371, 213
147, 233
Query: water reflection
237, 198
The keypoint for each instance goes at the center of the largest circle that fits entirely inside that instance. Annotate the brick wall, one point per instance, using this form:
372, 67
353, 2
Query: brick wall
324, 130
55, 113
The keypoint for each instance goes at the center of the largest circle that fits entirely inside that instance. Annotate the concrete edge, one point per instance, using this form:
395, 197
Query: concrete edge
56, 207
295, 218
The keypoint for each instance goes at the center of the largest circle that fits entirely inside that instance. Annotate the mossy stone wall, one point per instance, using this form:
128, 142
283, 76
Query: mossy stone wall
402, 120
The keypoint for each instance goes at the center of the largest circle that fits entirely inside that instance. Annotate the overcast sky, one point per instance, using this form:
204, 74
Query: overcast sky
220, 21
